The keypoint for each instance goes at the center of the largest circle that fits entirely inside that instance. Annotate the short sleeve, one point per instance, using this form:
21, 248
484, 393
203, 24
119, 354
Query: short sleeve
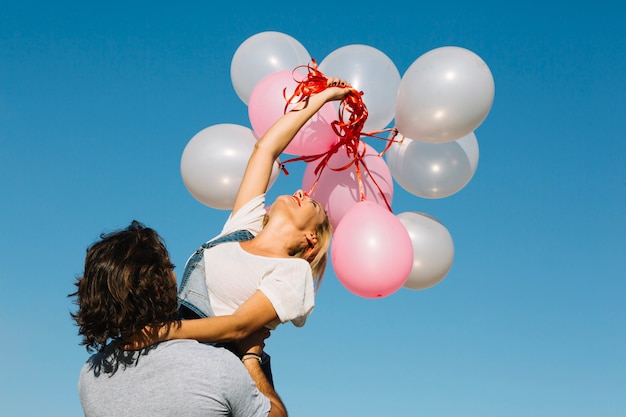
249, 217
289, 287
244, 398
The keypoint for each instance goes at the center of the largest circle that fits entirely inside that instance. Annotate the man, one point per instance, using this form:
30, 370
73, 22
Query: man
128, 284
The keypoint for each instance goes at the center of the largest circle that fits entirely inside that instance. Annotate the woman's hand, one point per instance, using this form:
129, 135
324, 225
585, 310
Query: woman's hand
148, 336
254, 343
337, 89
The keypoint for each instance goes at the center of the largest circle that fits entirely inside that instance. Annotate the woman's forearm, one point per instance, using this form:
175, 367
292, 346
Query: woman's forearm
278, 137
269, 147
211, 329
256, 312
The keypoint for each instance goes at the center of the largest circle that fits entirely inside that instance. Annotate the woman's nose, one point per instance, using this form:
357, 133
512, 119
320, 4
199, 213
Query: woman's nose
299, 194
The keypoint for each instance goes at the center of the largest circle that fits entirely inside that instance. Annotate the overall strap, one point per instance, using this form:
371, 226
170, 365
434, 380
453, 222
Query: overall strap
236, 236
193, 295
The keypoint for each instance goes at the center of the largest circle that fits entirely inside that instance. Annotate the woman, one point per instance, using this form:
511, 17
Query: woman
268, 279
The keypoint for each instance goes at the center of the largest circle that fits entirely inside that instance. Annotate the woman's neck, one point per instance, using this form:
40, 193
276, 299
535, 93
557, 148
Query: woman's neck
272, 244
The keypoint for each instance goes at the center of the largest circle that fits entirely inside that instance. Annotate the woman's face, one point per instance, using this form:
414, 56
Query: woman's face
303, 211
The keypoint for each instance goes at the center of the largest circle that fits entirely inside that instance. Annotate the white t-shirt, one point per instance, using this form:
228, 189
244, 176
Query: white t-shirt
233, 275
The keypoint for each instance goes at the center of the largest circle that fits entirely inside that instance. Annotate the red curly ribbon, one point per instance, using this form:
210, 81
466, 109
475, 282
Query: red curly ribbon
352, 115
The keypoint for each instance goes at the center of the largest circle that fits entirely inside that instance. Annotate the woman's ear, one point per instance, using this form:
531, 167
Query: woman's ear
311, 251
311, 238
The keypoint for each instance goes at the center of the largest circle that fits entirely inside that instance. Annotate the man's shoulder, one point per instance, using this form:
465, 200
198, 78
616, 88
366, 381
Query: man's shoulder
219, 379
186, 350
193, 347
183, 354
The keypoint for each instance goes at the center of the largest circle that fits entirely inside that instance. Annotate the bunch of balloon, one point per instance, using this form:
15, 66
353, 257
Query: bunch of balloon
432, 151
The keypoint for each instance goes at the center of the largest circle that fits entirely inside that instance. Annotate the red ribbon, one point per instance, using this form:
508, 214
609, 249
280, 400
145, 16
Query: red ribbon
352, 115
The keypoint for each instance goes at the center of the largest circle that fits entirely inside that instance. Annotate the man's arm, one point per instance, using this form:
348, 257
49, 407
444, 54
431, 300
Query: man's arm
254, 368
251, 348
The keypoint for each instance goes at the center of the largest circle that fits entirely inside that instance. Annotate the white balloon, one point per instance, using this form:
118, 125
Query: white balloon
444, 95
261, 55
470, 146
369, 70
214, 161
433, 250
433, 170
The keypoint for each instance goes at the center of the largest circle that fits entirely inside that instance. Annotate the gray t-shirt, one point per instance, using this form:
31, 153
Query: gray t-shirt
175, 378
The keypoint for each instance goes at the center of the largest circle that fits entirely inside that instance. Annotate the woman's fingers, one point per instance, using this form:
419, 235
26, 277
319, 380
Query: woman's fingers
337, 82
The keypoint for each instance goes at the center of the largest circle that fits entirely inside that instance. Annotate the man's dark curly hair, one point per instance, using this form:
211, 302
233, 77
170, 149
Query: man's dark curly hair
127, 284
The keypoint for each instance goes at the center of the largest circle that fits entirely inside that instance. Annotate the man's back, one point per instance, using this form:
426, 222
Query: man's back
179, 377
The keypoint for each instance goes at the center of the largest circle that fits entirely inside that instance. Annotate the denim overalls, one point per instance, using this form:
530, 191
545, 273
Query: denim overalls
193, 295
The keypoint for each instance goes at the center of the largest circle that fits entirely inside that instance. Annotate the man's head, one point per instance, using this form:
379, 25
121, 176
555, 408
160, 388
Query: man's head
128, 283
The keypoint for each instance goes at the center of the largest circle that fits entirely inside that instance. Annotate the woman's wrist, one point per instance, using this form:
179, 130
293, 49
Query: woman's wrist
167, 331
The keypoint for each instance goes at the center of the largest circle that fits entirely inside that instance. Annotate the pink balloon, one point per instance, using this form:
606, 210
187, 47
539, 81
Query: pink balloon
371, 253
267, 105
338, 191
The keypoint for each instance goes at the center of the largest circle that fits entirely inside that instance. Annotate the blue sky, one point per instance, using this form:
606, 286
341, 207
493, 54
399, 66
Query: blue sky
97, 102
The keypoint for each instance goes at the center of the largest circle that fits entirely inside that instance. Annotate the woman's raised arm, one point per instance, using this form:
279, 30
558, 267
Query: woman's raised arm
269, 147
